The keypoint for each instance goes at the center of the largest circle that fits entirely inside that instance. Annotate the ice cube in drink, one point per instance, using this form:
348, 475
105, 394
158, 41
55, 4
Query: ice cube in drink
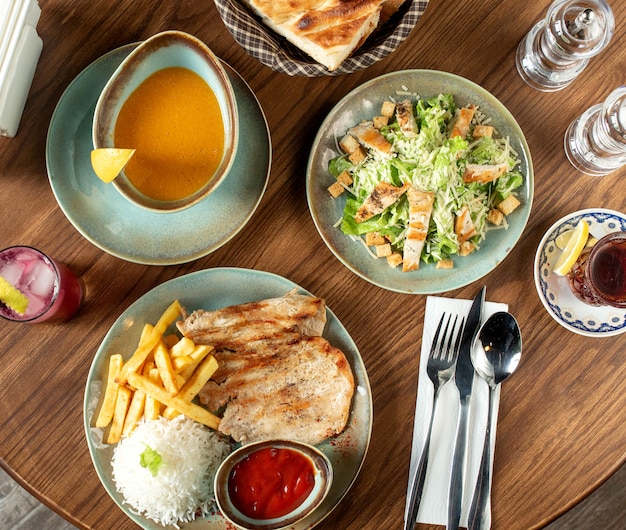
53, 291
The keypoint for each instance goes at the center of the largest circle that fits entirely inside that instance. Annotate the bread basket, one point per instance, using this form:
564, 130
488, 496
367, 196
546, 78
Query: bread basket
280, 55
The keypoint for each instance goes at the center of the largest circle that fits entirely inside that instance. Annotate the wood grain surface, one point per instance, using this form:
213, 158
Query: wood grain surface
562, 416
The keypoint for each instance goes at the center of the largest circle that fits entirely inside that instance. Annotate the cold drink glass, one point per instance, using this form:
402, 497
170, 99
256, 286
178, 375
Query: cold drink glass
53, 291
599, 276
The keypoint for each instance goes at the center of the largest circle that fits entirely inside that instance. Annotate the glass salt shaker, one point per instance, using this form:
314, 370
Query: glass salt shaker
595, 142
557, 49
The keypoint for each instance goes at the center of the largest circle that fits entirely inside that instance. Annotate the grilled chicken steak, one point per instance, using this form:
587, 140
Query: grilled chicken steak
298, 389
277, 377
234, 326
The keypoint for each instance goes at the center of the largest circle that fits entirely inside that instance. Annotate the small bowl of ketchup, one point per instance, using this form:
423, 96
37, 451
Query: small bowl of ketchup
272, 484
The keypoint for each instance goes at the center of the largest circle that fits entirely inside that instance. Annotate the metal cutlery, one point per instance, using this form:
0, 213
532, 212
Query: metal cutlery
496, 356
463, 377
439, 368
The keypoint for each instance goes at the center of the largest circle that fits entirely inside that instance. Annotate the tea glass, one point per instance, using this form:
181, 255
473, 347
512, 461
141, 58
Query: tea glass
598, 278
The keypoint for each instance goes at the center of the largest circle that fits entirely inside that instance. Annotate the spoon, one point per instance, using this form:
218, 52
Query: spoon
496, 354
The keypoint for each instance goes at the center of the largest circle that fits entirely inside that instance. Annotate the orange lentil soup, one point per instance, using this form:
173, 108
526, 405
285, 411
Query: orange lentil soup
173, 120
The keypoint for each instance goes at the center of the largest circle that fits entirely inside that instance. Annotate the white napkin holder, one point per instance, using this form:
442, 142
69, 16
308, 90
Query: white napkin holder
20, 48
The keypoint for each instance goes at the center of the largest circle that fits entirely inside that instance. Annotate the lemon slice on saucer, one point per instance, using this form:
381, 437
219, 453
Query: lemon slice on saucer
575, 244
562, 239
107, 162
13, 298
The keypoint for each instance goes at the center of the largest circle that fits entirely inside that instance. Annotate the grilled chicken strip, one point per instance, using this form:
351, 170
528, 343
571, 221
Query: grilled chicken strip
296, 389
382, 196
230, 327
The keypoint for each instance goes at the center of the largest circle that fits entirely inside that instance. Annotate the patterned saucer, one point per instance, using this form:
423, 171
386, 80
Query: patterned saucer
554, 290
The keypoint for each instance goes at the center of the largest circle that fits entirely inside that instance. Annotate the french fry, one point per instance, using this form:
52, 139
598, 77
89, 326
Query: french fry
183, 347
170, 339
152, 408
198, 353
121, 408
166, 371
191, 410
110, 393
194, 384
135, 411
179, 363
152, 339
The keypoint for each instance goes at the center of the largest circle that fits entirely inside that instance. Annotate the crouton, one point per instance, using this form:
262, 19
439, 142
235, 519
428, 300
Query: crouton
345, 178
495, 216
445, 264
466, 248
482, 131
335, 189
508, 205
388, 109
358, 155
394, 259
348, 144
382, 251
380, 122
374, 238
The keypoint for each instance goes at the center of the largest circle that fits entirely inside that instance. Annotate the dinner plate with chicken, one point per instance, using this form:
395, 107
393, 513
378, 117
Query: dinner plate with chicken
420, 181
285, 368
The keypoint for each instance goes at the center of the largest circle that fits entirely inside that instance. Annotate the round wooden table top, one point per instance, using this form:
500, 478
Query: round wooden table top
561, 421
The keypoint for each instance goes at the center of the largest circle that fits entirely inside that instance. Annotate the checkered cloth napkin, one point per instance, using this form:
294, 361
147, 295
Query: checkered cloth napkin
280, 55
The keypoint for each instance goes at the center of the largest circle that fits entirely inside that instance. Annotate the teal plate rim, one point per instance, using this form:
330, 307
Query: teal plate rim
213, 289
363, 103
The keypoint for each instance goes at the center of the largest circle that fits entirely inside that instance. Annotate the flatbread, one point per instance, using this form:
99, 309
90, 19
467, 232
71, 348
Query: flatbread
327, 30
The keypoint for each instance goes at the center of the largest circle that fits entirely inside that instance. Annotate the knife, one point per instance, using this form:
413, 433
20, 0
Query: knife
463, 377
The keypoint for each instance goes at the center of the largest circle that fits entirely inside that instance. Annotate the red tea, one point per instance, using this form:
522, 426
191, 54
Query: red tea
606, 269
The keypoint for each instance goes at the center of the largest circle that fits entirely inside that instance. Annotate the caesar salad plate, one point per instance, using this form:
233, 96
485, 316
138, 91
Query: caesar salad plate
554, 291
364, 103
117, 226
213, 289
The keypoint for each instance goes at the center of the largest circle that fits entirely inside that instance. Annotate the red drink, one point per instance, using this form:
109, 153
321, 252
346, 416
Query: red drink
53, 291
599, 275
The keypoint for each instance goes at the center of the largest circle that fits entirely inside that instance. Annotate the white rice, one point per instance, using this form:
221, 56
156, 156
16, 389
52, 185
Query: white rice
183, 486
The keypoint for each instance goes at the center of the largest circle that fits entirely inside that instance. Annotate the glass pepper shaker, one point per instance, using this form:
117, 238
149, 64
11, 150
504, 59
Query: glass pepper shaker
557, 49
595, 142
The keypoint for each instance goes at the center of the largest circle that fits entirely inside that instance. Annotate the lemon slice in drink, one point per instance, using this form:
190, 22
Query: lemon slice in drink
573, 248
13, 298
107, 162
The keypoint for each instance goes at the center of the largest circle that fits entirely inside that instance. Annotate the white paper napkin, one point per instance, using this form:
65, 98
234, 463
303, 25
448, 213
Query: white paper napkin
434, 504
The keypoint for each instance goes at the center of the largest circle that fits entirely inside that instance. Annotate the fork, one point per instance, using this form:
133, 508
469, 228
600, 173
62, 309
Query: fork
444, 351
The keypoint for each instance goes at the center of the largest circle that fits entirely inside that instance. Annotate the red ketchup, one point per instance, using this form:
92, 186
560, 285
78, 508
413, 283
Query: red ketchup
271, 482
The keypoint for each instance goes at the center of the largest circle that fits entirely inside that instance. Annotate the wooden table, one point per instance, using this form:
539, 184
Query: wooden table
562, 416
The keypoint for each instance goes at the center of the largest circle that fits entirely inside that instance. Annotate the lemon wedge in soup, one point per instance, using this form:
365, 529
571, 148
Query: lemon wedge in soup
574, 246
12, 297
107, 162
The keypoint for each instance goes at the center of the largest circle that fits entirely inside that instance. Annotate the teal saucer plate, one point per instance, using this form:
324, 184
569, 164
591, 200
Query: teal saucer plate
117, 226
